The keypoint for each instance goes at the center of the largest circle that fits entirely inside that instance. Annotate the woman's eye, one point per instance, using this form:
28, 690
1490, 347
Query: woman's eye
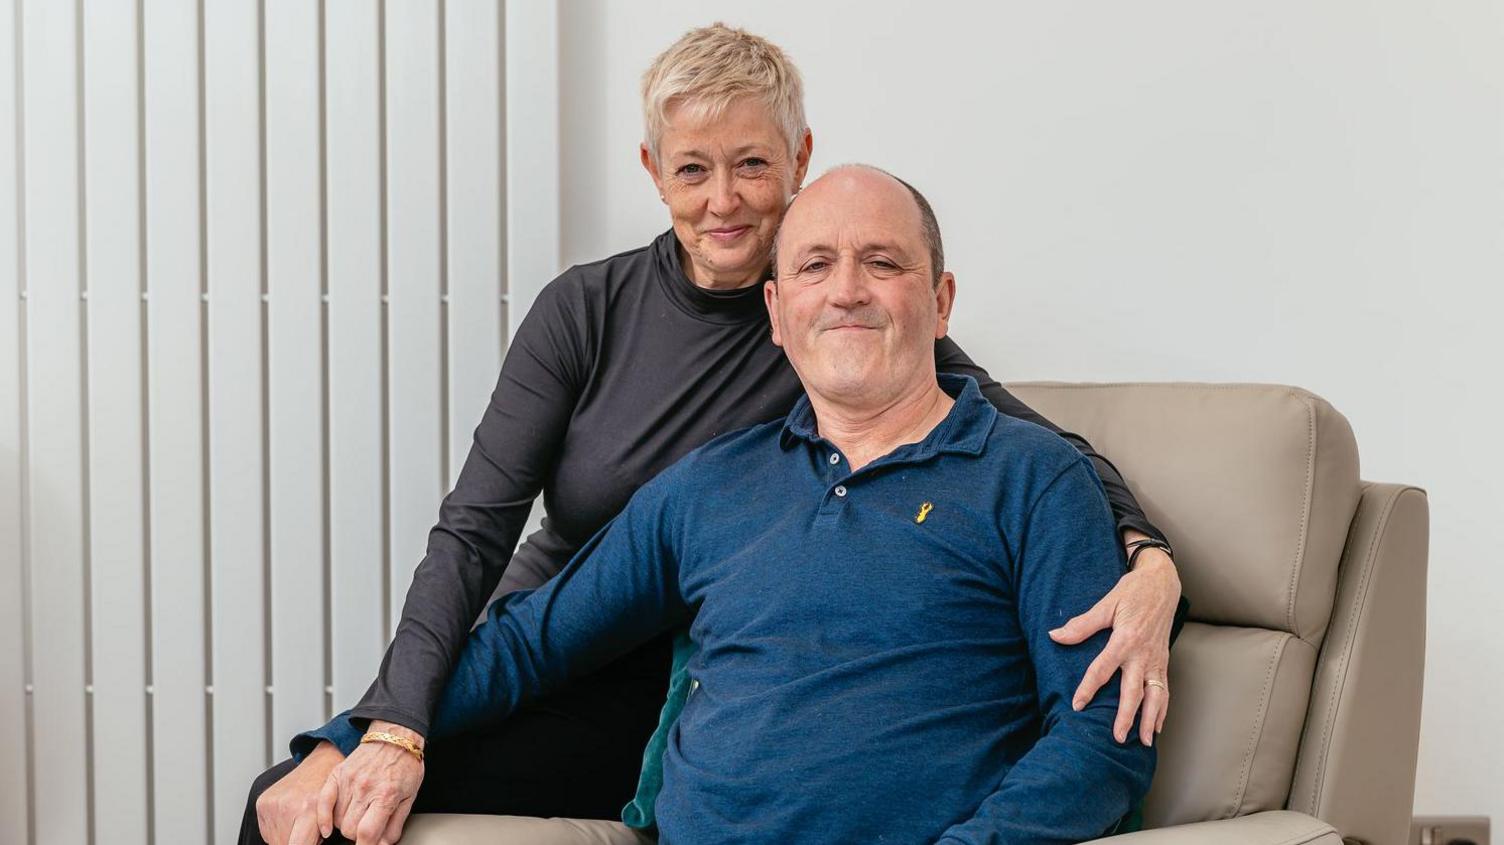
691, 170
755, 162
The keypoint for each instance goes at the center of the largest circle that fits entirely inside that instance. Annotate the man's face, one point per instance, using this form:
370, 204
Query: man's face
855, 304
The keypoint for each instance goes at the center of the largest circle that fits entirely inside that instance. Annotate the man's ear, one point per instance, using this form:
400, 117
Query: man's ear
945, 299
651, 166
801, 159
770, 299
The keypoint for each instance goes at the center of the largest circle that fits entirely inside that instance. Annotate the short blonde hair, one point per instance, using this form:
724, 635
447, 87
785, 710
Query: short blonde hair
708, 69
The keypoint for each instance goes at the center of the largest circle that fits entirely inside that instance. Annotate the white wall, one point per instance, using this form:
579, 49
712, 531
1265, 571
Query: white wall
253, 279
1307, 193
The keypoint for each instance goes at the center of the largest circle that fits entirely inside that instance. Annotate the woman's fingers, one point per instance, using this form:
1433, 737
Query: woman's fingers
344, 792
394, 825
1128, 700
1097, 675
350, 822
1156, 702
1079, 629
373, 824
1140, 610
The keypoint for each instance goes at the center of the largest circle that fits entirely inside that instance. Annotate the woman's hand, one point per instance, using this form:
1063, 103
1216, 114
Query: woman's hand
1140, 610
369, 796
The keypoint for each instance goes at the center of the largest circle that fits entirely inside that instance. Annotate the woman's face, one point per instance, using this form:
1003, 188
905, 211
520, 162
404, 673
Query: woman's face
726, 183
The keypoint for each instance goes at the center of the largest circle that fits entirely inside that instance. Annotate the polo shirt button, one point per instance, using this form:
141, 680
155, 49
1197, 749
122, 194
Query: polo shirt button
834, 459
841, 491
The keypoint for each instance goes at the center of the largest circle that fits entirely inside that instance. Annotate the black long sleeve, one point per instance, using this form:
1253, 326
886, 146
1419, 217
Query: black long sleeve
510, 460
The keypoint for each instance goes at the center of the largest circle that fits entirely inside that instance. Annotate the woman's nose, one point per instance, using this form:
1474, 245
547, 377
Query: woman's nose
723, 197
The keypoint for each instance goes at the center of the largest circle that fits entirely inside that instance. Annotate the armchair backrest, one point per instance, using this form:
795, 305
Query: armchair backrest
1279, 696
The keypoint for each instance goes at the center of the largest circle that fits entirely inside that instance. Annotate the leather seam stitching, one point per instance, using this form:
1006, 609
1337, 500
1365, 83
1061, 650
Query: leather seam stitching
1241, 791
1306, 838
1305, 518
1365, 573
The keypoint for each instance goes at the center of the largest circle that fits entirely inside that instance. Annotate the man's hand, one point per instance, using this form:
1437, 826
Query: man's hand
287, 812
1140, 610
370, 794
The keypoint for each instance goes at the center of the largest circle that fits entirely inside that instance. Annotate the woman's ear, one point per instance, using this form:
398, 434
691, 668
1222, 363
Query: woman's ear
651, 166
802, 154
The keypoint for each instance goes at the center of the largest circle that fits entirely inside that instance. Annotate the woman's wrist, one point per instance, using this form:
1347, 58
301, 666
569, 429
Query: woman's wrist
1148, 553
1152, 560
381, 726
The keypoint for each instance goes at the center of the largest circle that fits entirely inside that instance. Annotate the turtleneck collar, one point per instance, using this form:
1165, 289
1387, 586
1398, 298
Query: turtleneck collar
741, 305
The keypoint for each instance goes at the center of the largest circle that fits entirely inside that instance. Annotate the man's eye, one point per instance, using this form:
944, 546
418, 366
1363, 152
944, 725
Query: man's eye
884, 264
814, 266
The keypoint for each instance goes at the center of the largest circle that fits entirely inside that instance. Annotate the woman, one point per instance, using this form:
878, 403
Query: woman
622, 367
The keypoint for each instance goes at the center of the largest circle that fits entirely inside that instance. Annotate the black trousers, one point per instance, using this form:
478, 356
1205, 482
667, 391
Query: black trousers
576, 753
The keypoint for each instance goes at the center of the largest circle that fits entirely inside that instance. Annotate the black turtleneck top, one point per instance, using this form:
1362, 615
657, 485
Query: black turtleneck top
621, 367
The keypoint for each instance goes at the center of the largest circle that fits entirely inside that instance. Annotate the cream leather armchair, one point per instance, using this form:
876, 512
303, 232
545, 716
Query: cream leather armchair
1296, 684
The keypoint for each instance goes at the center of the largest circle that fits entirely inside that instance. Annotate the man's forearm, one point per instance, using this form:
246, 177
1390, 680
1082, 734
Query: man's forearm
617, 592
1073, 785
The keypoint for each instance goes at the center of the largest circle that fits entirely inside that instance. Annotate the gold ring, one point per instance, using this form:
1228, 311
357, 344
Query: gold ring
1150, 682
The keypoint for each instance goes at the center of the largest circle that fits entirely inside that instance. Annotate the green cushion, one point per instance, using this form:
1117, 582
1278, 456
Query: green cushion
639, 814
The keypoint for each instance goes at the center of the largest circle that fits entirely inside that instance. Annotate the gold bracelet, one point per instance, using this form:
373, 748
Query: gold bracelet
401, 742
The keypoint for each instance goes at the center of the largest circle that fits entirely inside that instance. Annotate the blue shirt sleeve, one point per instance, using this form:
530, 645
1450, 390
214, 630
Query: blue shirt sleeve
1077, 780
617, 592
341, 730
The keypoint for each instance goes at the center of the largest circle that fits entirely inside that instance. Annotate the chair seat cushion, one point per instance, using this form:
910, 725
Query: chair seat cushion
455, 829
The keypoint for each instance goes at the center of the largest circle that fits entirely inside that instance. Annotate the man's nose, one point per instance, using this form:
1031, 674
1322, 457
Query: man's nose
848, 284
723, 197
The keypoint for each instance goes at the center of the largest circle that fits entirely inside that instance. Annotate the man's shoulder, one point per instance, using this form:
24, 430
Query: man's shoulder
725, 463
1020, 440
1031, 455
733, 451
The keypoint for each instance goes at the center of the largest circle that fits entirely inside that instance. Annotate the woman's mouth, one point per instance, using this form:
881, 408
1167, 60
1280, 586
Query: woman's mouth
727, 234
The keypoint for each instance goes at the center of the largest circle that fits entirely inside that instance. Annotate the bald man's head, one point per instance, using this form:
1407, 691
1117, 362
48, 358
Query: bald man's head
860, 296
859, 176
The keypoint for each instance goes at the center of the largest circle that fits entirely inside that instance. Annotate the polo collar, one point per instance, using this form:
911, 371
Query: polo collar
963, 431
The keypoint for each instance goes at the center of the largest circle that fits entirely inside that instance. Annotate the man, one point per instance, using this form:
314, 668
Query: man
871, 584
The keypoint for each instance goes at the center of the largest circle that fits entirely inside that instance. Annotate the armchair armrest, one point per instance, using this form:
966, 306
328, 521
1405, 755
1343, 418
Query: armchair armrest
1277, 827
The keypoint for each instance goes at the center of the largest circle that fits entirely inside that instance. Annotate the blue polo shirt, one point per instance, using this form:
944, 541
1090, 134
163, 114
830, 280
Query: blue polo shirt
873, 659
